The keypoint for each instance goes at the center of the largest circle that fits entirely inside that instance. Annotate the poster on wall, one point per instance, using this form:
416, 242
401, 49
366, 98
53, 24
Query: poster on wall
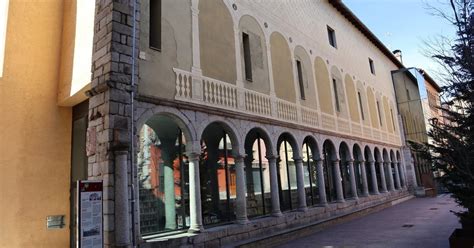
89, 214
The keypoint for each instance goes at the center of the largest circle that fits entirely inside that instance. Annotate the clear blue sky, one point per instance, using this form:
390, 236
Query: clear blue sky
404, 25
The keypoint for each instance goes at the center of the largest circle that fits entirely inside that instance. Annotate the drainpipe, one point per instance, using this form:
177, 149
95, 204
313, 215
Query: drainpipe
132, 126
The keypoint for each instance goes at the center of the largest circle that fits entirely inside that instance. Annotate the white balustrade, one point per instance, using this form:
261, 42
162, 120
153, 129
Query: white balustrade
215, 93
183, 84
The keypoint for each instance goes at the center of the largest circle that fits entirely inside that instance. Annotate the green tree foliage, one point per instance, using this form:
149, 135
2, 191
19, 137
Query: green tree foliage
452, 150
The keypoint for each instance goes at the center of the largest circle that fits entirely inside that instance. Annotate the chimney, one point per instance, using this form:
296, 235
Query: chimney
398, 55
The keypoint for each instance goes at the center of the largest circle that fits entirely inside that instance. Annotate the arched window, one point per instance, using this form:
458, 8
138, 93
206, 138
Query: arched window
310, 176
287, 177
162, 178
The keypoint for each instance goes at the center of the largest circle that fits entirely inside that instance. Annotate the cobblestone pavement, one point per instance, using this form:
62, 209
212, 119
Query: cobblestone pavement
419, 222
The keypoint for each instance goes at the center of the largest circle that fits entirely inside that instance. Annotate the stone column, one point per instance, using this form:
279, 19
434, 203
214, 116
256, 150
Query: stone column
321, 185
167, 157
274, 186
382, 177
353, 179
338, 179
195, 213
241, 201
122, 231
300, 184
373, 173
391, 186
365, 187
397, 175
402, 175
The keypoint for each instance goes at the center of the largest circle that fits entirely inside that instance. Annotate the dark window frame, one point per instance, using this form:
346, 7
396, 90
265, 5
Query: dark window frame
299, 70
378, 111
247, 56
154, 38
372, 66
336, 96
360, 106
332, 37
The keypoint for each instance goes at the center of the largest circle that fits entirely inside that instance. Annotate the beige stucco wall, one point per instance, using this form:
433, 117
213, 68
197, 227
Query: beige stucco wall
156, 67
323, 86
352, 100
35, 132
309, 84
258, 54
216, 37
282, 68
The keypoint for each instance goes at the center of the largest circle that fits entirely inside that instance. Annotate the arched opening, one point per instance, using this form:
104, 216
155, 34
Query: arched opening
388, 170
329, 156
368, 159
287, 185
400, 169
310, 154
358, 164
217, 174
378, 160
257, 173
345, 156
163, 176
395, 170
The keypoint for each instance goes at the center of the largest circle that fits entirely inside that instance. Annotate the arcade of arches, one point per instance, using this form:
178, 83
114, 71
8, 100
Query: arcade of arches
185, 184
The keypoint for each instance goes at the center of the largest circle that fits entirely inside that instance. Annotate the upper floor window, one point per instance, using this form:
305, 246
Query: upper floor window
300, 78
336, 96
3, 31
155, 24
360, 106
393, 121
332, 37
378, 112
371, 65
247, 57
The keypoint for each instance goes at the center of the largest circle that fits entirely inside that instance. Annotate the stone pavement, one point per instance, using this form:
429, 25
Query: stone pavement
420, 222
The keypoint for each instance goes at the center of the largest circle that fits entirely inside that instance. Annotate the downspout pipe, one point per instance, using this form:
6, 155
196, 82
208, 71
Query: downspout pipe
133, 193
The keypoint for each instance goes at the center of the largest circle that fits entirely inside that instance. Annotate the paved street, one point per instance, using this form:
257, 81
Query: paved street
420, 222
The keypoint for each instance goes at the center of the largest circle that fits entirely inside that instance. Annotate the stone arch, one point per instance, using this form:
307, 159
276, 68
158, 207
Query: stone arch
282, 68
183, 122
313, 144
330, 156
385, 156
336, 75
368, 155
258, 55
216, 37
309, 87
357, 152
229, 130
352, 101
323, 86
392, 156
228, 126
378, 155
288, 152
251, 135
372, 108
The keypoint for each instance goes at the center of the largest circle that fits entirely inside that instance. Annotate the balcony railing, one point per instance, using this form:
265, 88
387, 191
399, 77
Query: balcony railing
211, 92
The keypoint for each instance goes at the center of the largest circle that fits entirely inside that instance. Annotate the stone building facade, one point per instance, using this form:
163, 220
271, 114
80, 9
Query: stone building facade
228, 119
210, 122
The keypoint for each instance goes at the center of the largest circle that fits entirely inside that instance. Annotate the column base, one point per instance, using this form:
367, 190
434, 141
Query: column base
384, 191
341, 201
196, 230
365, 194
243, 221
303, 209
375, 193
277, 214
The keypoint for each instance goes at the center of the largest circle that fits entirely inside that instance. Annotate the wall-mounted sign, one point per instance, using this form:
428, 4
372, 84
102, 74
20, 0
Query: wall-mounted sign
89, 214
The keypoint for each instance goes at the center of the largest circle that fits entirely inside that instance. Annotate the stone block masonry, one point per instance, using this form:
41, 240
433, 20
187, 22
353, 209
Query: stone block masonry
110, 114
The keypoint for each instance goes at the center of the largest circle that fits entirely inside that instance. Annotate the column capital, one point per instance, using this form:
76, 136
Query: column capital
239, 158
271, 157
193, 155
297, 159
351, 160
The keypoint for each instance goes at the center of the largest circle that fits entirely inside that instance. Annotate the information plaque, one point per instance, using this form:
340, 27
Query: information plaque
89, 214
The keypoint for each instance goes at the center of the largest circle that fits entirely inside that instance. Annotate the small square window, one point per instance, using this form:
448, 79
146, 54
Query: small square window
332, 37
371, 65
